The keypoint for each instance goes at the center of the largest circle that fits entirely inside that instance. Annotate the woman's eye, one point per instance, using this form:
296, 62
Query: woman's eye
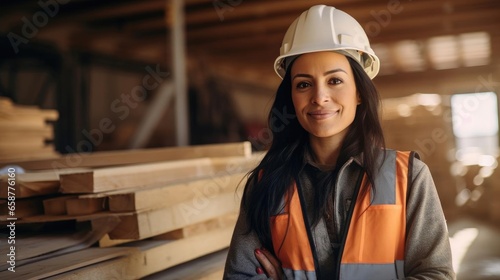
335, 81
303, 85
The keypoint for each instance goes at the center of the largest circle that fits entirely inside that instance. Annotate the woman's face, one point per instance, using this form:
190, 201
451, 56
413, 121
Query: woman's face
324, 94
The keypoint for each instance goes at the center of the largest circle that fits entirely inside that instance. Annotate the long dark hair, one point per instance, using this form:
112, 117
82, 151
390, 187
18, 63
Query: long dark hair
268, 182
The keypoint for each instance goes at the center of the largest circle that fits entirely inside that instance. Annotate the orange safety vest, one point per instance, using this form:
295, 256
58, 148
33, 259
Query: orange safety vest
375, 241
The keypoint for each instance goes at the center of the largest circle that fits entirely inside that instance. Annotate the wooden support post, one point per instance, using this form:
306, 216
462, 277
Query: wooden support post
175, 11
153, 115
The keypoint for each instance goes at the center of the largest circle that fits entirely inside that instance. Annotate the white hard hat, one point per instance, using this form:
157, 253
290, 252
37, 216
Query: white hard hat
325, 28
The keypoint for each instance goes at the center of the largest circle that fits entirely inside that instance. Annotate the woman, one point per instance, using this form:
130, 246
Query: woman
328, 201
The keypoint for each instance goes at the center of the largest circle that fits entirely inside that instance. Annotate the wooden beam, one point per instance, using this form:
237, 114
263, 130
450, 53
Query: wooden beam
35, 183
30, 189
15, 154
172, 194
116, 178
25, 207
463, 22
149, 223
199, 228
37, 141
178, 40
253, 10
100, 159
119, 10
115, 268
47, 132
86, 206
151, 256
56, 205
59, 218
20, 111
412, 12
265, 39
65, 263
208, 267
241, 29
105, 241
160, 255
41, 246
7, 121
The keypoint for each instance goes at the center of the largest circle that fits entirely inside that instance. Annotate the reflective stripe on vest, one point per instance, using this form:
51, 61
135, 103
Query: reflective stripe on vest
374, 248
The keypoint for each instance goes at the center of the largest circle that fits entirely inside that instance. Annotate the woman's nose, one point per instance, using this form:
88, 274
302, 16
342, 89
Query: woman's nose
320, 95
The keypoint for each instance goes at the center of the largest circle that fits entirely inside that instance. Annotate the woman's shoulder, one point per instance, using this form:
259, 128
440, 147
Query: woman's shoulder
415, 161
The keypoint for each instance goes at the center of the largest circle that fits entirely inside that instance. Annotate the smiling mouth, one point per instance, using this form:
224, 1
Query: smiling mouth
322, 114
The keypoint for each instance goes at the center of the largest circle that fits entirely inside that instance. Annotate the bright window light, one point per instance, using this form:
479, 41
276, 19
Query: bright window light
475, 114
475, 125
475, 48
444, 52
409, 55
460, 243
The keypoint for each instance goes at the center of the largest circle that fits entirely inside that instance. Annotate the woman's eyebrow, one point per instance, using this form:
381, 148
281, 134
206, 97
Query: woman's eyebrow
324, 74
333, 71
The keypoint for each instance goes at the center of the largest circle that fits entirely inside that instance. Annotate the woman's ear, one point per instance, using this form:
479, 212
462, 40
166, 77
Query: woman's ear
358, 98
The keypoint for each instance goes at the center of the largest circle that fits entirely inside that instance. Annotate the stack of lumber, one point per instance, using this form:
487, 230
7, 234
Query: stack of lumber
480, 189
131, 218
492, 191
26, 131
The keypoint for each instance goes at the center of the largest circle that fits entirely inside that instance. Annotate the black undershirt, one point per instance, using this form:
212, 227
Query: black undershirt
315, 181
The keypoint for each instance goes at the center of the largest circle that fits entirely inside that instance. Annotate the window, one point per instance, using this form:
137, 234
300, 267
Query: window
475, 126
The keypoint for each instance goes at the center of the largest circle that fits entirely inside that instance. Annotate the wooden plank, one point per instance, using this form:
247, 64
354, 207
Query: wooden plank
100, 159
30, 189
35, 183
22, 145
7, 121
26, 112
159, 255
59, 218
86, 206
110, 269
105, 241
27, 153
228, 220
171, 194
154, 256
5, 103
56, 205
47, 132
38, 246
25, 207
209, 267
114, 178
22, 140
188, 231
44, 243
158, 221
64, 263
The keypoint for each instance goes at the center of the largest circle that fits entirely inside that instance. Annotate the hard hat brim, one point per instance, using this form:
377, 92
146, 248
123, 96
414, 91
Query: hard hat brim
371, 71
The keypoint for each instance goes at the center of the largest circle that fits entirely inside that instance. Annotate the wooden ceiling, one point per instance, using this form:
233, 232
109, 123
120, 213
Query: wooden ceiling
237, 34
